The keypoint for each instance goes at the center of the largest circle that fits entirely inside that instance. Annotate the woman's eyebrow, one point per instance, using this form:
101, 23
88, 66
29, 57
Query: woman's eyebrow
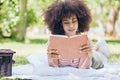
74, 18
65, 19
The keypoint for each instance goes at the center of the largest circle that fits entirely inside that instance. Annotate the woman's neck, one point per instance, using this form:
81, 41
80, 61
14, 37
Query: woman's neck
70, 35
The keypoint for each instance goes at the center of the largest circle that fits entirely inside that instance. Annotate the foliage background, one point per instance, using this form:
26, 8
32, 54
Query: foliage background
22, 26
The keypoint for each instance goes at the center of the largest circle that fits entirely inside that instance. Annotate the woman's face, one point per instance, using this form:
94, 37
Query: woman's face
70, 25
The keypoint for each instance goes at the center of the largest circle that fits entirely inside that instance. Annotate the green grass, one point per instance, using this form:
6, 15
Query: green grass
39, 45
32, 41
38, 41
113, 42
5, 78
20, 60
114, 57
114, 46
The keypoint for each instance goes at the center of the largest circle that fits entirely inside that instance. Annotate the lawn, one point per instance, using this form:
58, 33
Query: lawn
39, 46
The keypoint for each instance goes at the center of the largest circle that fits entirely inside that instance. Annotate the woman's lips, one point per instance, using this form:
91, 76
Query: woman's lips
71, 30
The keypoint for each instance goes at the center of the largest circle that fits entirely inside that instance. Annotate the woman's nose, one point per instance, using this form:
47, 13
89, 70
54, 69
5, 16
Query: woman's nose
71, 24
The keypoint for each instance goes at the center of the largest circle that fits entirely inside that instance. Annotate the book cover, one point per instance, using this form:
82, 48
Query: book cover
68, 47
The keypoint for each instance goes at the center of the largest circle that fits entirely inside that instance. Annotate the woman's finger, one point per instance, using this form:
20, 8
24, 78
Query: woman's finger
87, 50
53, 51
84, 47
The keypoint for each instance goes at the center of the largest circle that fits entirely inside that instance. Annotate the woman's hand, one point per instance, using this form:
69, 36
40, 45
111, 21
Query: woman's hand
86, 48
53, 57
53, 53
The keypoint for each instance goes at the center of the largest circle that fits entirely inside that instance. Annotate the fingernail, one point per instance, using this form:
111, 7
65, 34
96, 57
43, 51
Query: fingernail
80, 51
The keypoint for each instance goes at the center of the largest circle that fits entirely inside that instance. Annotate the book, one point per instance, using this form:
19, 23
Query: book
68, 47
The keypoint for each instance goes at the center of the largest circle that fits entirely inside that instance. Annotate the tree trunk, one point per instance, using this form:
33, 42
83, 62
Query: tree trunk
110, 26
21, 29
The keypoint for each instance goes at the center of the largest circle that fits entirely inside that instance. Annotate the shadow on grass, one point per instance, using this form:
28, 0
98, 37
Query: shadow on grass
7, 40
31, 41
110, 41
44, 40
113, 41
38, 41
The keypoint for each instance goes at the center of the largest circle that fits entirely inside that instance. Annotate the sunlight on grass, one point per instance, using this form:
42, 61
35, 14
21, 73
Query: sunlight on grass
7, 78
114, 58
20, 60
114, 48
39, 46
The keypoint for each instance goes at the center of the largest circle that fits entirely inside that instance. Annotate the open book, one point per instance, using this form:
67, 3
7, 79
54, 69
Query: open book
68, 47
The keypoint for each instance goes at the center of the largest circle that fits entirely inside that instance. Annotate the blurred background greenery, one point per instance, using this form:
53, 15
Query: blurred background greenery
22, 27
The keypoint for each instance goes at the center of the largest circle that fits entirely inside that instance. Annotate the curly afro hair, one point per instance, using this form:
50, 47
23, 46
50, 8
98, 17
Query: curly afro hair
65, 8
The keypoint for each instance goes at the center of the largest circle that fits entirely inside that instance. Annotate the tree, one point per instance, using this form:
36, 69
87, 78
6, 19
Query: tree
8, 17
108, 11
112, 19
25, 18
21, 29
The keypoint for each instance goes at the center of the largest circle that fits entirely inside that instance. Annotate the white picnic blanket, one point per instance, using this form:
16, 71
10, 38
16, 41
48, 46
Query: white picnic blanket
38, 69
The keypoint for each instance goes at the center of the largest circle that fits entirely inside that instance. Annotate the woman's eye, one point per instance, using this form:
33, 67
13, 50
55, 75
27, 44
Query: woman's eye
66, 22
74, 20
